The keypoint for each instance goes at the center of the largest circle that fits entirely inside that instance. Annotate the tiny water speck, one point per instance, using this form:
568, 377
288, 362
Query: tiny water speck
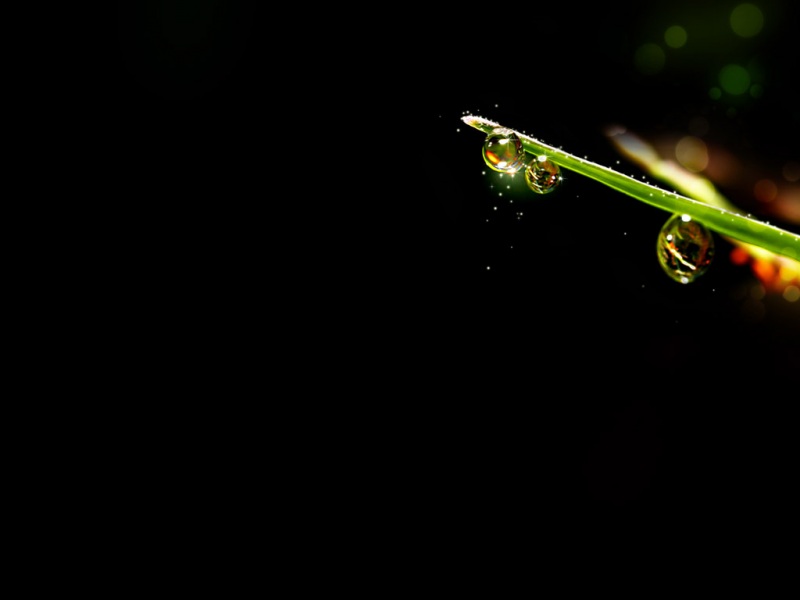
685, 248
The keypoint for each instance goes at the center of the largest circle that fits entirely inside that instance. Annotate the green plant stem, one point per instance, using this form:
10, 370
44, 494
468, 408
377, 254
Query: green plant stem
716, 218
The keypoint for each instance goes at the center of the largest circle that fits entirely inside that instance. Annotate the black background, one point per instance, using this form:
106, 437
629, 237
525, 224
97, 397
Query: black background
317, 205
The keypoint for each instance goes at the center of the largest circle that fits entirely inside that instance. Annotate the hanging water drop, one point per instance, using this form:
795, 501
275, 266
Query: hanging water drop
502, 151
542, 175
685, 248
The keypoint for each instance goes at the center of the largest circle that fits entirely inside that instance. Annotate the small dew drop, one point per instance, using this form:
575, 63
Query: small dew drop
685, 249
502, 151
543, 175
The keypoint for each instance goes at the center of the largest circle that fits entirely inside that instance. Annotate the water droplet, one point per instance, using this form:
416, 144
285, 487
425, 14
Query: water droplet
502, 151
685, 248
542, 175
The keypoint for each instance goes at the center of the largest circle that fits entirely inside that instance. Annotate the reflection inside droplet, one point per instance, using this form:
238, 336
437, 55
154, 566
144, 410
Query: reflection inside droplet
542, 175
502, 151
685, 248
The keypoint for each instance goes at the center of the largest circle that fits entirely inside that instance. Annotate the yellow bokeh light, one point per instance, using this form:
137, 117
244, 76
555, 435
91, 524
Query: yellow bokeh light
692, 153
734, 79
747, 20
675, 36
765, 190
791, 171
791, 293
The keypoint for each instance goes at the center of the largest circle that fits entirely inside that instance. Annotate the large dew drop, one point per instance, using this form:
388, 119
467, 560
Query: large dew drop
503, 151
542, 175
685, 248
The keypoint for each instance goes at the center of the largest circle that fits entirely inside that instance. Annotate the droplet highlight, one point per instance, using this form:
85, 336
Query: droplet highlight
542, 175
503, 151
685, 248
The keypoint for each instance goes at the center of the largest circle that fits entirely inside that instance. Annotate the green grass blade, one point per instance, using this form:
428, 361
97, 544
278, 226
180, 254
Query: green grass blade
719, 219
